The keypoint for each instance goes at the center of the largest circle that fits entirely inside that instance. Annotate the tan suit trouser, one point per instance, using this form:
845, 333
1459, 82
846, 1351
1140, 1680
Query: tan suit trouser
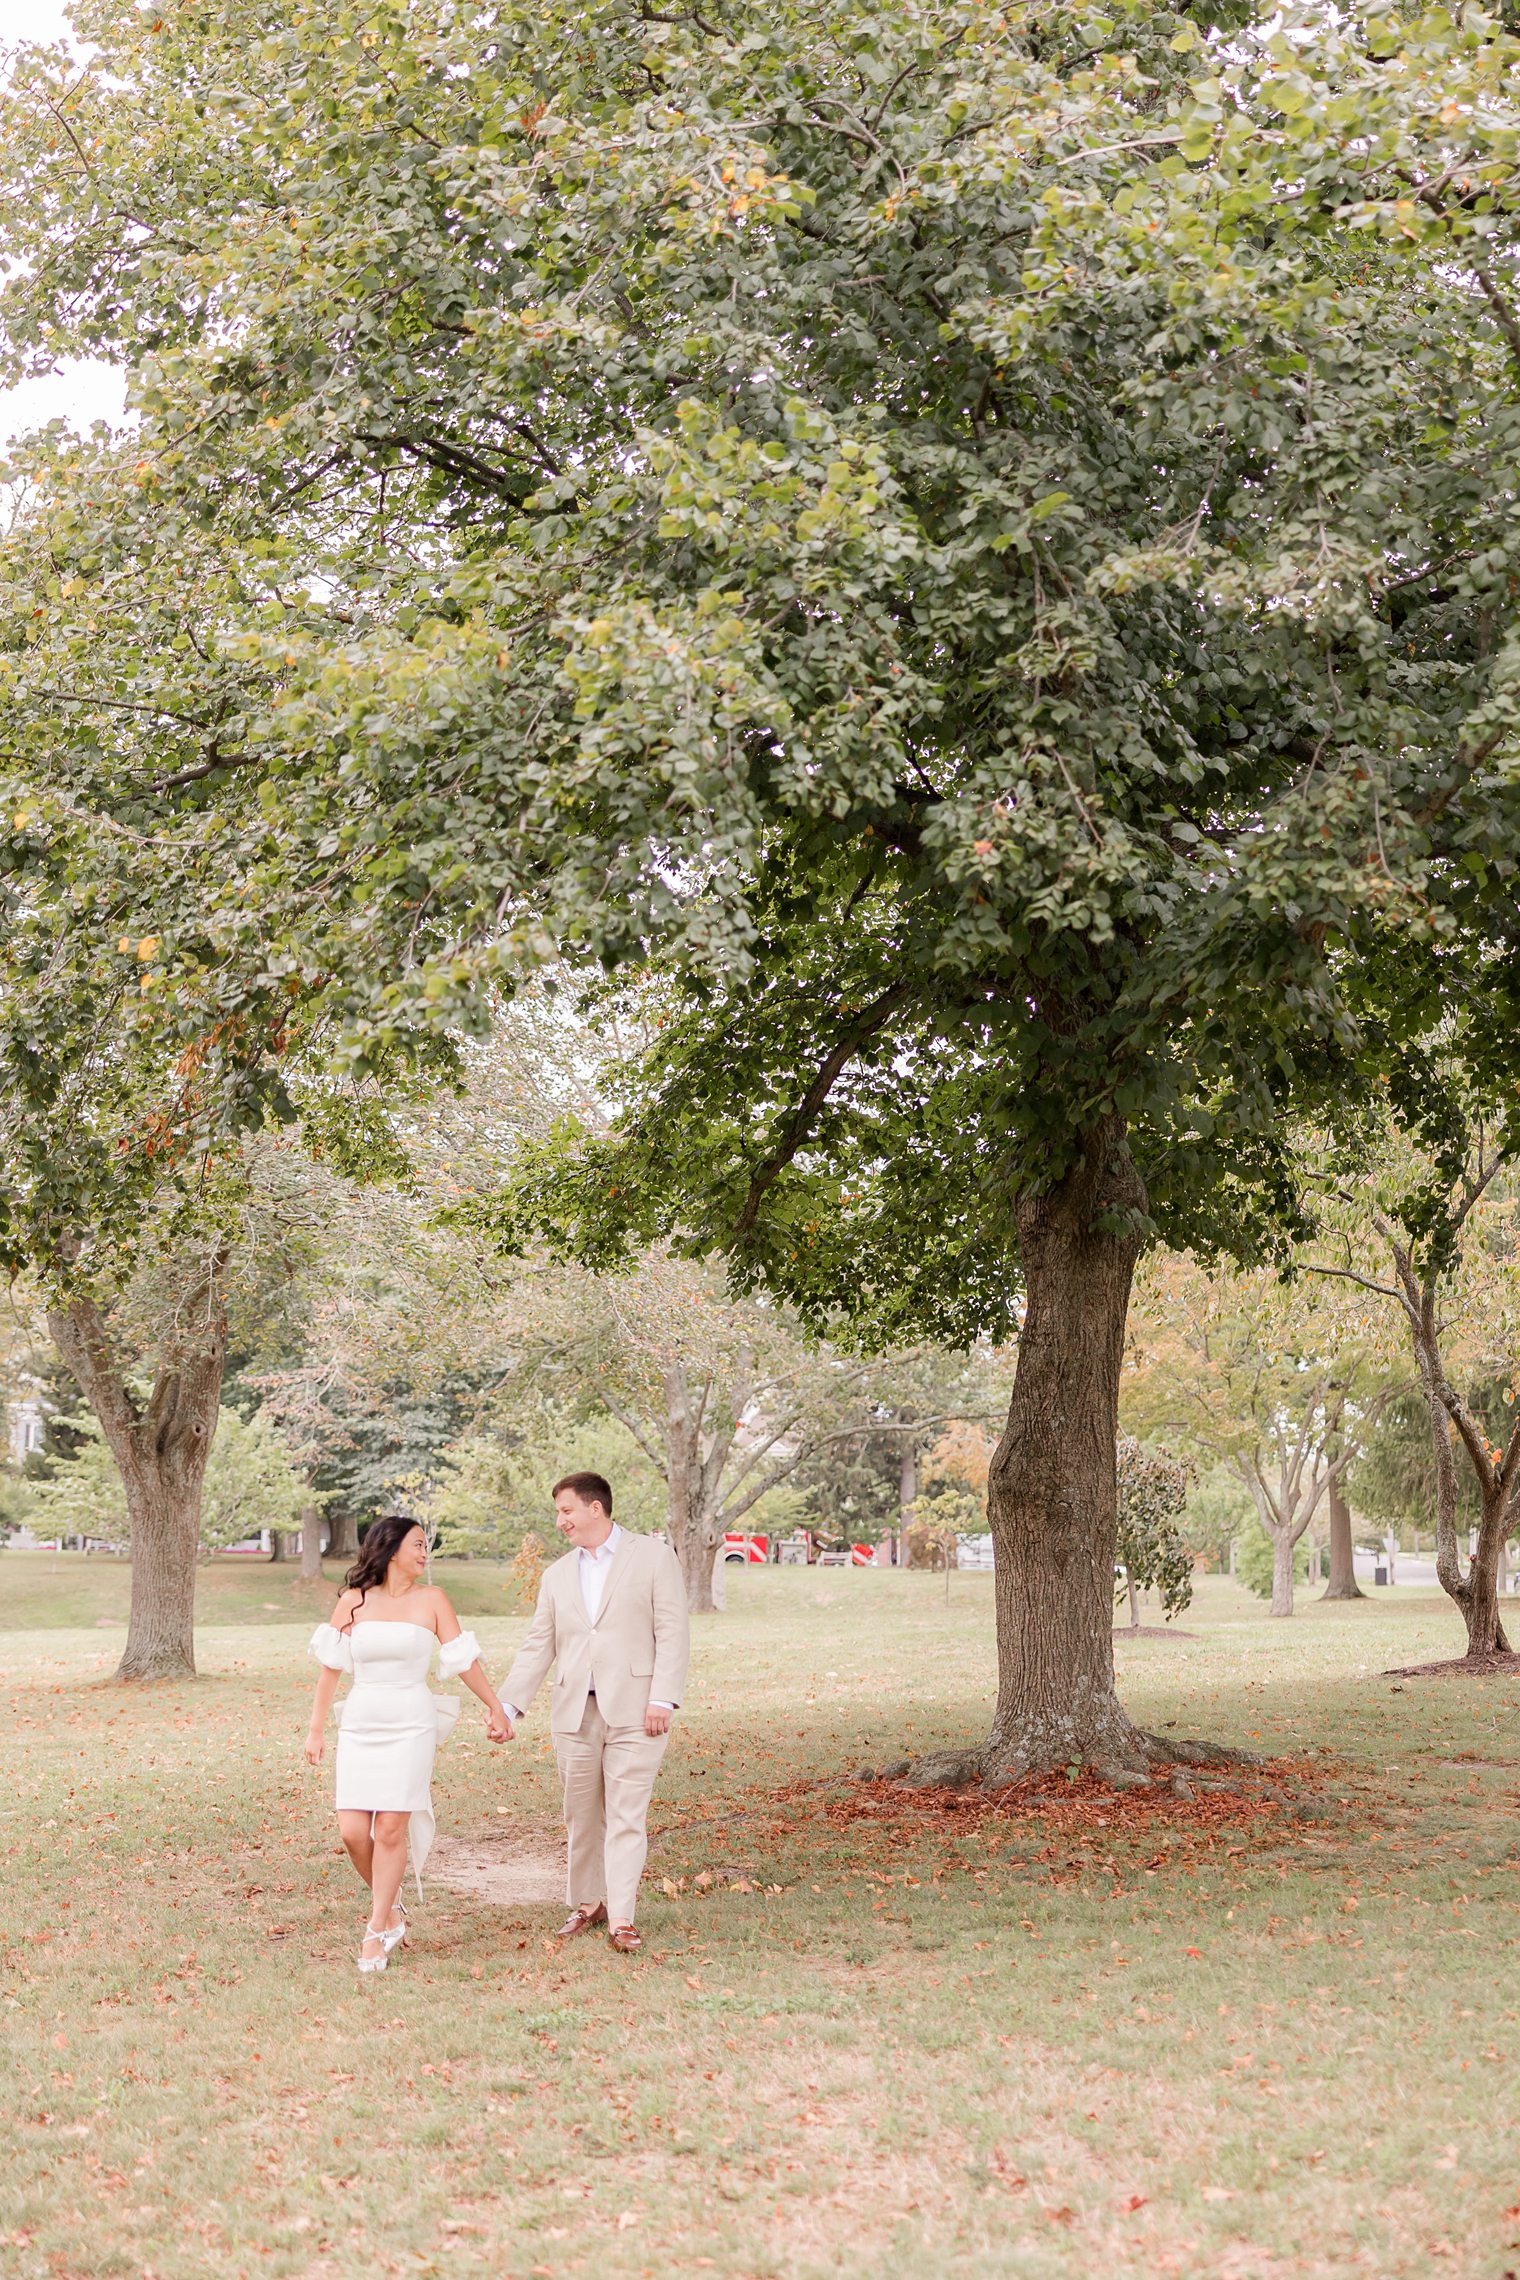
609, 1774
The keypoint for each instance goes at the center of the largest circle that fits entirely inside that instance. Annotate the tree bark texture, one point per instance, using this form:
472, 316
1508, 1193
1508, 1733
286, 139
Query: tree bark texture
1052, 1494
1480, 1606
1343, 1583
160, 1448
1284, 1544
342, 1543
907, 1497
691, 1478
1475, 1592
698, 1566
311, 1545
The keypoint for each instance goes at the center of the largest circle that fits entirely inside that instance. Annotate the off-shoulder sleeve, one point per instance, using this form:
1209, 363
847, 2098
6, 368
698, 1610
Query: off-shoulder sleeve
331, 1647
456, 1655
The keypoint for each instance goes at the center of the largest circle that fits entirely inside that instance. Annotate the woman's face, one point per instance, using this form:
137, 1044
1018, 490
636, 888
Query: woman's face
409, 1559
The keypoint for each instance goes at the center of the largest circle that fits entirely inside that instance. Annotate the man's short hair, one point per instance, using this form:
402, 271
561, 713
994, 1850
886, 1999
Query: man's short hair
591, 1488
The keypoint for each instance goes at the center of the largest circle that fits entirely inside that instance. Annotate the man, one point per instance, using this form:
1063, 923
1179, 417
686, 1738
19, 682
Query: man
612, 1613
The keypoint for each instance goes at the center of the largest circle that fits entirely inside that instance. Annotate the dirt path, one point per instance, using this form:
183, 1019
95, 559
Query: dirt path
508, 1871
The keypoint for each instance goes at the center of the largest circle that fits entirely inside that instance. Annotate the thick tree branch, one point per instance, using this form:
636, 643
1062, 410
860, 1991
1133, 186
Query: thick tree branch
629, 1420
859, 1032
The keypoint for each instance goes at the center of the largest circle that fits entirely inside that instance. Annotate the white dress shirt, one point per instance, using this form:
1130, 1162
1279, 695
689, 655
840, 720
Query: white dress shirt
593, 1569
593, 1572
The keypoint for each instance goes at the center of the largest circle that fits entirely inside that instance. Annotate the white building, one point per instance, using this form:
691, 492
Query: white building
28, 1428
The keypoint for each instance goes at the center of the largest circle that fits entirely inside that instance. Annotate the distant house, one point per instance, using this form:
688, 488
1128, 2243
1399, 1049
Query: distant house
28, 1428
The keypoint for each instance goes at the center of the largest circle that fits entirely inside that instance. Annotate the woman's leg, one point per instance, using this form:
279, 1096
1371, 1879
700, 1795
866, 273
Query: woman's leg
357, 1832
389, 1865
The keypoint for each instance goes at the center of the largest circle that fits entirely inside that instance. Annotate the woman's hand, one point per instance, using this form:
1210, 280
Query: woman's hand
499, 1727
315, 1745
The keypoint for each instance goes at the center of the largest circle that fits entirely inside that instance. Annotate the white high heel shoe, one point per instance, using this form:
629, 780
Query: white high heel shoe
374, 1962
395, 1934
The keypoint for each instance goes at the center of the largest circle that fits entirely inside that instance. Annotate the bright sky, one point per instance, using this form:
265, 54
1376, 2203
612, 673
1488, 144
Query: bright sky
77, 392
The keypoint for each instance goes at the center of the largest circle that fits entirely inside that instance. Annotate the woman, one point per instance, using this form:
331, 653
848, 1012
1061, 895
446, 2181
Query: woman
383, 1632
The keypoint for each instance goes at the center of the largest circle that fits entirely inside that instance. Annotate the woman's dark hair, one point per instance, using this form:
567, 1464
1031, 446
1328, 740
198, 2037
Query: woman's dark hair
383, 1539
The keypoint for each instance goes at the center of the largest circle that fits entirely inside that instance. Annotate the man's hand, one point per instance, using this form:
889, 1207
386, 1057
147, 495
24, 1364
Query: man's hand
499, 1727
656, 1721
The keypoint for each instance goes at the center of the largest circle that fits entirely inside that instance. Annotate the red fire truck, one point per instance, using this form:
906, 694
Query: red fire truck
745, 1550
740, 1549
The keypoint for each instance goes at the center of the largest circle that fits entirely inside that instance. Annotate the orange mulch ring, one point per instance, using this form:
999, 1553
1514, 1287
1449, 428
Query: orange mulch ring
1066, 1804
1065, 1829
1050, 1812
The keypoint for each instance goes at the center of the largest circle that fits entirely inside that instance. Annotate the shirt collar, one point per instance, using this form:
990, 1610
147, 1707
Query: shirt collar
606, 1550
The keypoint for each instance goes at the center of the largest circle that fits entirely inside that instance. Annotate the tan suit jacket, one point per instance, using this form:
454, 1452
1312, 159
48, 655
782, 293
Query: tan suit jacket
637, 1648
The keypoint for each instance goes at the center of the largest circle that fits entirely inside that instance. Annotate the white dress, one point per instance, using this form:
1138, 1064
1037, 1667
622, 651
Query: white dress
391, 1722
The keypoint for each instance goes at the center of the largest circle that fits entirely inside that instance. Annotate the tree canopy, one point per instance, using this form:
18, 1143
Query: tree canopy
967, 552
905, 514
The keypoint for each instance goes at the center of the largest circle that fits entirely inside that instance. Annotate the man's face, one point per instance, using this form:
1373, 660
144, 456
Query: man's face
581, 1524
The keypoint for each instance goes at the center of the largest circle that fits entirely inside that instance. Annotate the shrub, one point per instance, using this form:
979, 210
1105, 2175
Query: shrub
1253, 1560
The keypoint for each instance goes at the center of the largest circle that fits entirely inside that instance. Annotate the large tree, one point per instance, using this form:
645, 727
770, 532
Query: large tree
898, 517
156, 1400
138, 1197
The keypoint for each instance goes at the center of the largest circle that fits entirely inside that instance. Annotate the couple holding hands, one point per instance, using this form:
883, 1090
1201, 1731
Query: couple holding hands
611, 1614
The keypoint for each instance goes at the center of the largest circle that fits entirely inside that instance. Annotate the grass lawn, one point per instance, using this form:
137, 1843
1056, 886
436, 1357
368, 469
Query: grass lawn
1230, 2039
42, 1591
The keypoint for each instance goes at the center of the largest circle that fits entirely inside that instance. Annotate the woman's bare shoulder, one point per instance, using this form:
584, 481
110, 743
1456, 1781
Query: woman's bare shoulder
343, 1613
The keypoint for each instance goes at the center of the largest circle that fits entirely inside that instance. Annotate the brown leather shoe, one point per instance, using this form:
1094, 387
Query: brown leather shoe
626, 1938
581, 1920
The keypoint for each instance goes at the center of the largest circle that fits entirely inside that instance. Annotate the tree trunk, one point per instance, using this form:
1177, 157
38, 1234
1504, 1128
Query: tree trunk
311, 1545
1476, 1592
907, 1497
164, 1517
1480, 1603
1134, 1604
342, 1543
1282, 1571
276, 1545
1343, 1583
1052, 1496
698, 1558
160, 1451
694, 1529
